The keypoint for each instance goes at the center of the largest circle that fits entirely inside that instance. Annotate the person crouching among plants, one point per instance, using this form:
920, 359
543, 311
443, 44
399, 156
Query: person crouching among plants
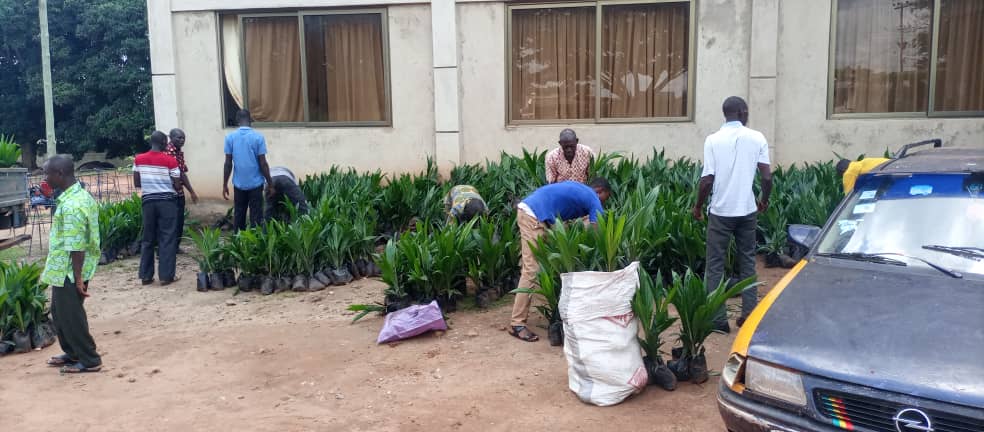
463, 203
566, 201
285, 188
73, 254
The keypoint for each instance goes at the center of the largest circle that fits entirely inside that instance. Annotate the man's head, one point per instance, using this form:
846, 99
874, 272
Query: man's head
602, 188
177, 137
842, 166
158, 141
735, 109
59, 172
243, 118
568, 143
472, 208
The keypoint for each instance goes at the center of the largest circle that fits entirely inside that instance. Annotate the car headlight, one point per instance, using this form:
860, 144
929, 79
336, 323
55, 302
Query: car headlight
774, 382
731, 369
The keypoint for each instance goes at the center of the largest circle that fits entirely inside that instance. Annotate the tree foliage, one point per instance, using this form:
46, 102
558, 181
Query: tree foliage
100, 64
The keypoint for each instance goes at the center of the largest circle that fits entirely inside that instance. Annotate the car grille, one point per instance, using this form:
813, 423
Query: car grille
852, 412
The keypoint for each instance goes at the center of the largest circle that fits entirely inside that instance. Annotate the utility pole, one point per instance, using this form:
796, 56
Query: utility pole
49, 109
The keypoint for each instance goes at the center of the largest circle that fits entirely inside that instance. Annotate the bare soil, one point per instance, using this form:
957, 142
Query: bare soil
177, 359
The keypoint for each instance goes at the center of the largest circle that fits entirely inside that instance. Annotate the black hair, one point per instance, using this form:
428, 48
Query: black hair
473, 208
601, 183
158, 140
733, 106
842, 166
174, 132
244, 117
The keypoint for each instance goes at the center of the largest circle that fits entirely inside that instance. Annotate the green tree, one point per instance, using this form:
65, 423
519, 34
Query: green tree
100, 60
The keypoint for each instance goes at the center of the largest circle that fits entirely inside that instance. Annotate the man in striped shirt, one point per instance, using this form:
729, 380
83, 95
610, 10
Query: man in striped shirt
157, 175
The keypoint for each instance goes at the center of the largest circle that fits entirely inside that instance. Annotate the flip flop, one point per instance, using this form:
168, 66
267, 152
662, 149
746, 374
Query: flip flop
79, 368
517, 332
61, 360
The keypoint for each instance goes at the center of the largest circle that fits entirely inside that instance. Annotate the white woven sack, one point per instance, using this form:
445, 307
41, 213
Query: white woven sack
604, 360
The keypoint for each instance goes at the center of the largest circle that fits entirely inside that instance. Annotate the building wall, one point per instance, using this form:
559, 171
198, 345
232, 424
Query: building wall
402, 147
803, 130
722, 70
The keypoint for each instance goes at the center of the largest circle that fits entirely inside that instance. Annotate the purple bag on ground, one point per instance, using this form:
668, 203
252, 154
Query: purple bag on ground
412, 321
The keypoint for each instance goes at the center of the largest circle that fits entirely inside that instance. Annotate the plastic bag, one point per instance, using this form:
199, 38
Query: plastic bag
604, 360
412, 321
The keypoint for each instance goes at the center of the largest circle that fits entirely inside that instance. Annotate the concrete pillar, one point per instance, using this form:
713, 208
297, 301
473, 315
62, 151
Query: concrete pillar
447, 118
161, 38
762, 69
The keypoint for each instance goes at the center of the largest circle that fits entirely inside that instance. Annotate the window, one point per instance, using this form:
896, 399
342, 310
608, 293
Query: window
908, 57
631, 65
320, 68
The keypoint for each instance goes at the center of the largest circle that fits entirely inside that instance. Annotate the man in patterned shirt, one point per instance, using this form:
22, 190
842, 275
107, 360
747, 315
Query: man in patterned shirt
174, 146
158, 177
463, 203
73, 254
570, 161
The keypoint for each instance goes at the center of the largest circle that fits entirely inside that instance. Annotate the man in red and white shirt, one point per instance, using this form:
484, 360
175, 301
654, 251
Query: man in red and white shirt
570, 161
159, 178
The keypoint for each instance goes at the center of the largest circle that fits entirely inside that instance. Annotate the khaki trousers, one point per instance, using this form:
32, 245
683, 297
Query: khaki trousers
529, 231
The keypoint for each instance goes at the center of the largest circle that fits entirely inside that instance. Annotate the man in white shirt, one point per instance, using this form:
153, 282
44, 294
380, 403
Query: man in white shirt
732, 155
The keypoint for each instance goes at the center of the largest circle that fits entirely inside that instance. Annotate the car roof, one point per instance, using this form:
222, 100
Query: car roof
936, 160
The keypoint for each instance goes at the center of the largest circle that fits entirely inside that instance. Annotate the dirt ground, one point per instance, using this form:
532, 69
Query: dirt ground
177, 359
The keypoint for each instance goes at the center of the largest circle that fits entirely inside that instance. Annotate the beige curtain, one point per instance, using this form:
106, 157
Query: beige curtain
960, 63
232, 58
553, 63
273, 69
346, 80
644, 60
882, 56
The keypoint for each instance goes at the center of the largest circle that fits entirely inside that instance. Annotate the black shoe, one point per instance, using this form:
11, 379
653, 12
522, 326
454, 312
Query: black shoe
722, 327
146, 282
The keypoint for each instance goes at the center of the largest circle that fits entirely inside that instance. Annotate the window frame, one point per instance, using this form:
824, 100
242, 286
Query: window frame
599, 22
930, 112
301, 14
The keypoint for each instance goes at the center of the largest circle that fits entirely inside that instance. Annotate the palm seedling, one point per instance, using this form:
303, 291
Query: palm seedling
698, 310
207, 241
10, 152
651, 306
451, 245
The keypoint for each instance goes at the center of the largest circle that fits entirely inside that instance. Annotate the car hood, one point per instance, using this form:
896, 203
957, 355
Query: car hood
890, 329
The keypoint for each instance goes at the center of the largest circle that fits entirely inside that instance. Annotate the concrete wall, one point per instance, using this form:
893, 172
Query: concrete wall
402, 147
722, 70
803, 130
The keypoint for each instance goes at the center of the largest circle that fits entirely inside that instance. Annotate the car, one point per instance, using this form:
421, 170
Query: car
880, 327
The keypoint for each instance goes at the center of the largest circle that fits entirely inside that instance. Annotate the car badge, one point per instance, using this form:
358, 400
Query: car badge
912, 420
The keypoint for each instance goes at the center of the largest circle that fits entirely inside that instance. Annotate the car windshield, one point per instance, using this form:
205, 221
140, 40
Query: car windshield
936, 217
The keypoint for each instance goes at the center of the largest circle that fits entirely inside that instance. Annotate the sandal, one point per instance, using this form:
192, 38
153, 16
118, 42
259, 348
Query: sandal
79, 368
517, 332
61, 360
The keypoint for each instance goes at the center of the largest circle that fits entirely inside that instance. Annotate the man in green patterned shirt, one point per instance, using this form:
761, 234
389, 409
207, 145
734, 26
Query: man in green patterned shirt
73, 254
463, 203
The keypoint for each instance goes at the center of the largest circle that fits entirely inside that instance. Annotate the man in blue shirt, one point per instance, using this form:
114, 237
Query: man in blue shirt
565, 201
246, 149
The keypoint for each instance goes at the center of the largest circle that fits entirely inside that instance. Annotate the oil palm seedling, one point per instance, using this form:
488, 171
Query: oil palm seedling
548, 287
10, 152
23, 309
207, 242
698, 309
651, 307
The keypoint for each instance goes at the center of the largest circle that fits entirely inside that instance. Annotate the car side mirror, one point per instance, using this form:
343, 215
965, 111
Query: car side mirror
803, 235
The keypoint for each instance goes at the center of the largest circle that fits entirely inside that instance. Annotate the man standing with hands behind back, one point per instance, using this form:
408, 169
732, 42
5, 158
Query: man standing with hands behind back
174, 149
73, 253
245, 149
732, 155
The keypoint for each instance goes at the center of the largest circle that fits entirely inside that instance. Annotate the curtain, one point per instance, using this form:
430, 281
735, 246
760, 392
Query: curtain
553, 63
960, 62
232, 58
882, 56
273, 69
346, 78
644, 60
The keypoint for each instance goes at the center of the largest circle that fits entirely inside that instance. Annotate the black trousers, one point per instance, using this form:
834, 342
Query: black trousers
720, 230
251, 199
181, 218
71, 324
160, 230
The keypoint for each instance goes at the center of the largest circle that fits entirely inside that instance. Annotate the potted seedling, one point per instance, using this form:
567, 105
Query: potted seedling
207, 244
245, 250
697, 309
651, 306
336, 243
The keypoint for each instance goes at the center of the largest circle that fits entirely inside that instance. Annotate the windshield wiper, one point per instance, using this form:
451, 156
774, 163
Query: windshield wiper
866, 257
880, 258
969, 252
